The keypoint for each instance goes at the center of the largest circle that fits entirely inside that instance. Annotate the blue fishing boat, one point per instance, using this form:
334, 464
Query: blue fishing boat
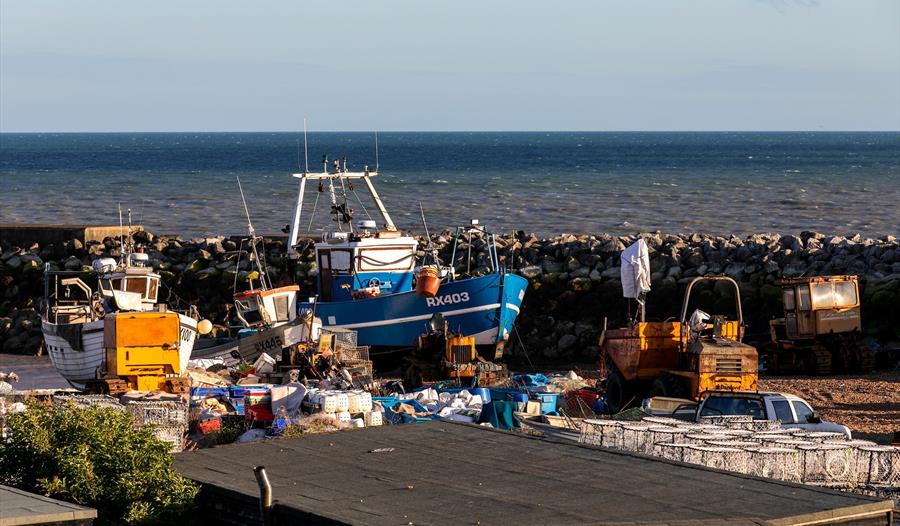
370, 281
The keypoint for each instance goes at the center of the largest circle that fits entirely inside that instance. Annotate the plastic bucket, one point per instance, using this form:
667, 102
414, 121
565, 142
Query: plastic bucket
427, 282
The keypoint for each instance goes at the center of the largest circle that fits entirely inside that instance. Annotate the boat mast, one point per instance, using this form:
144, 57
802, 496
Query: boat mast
263, 277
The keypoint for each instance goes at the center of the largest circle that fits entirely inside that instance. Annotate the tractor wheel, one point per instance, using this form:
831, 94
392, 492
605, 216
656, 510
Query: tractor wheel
866, 359
669, 385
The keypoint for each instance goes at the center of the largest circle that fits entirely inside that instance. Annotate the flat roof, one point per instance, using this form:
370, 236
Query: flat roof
21, 507
450, 473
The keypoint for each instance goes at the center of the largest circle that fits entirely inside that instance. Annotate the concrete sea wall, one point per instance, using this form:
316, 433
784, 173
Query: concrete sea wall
574, 279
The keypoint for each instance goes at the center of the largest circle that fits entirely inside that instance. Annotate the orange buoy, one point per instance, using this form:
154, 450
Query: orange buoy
427, 282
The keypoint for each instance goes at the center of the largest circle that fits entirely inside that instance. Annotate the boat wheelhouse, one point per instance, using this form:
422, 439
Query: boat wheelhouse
367, 275
78, 321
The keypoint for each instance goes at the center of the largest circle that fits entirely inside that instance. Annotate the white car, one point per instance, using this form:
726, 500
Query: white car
791, 410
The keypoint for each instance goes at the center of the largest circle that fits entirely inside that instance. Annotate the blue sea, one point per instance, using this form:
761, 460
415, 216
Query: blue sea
548, 183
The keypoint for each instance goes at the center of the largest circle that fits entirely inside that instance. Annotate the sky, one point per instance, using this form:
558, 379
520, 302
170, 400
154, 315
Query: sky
448, 65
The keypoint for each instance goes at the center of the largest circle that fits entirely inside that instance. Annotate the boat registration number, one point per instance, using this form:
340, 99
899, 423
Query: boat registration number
447, 299
269, 344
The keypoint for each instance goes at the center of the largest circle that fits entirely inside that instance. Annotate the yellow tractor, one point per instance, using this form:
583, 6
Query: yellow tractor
681, 359
820, 332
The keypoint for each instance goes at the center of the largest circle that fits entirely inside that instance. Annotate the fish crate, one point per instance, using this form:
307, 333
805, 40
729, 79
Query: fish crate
87, 400
162, 413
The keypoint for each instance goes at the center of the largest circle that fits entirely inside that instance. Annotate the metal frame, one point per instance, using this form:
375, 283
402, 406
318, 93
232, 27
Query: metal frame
687, 295
366, 176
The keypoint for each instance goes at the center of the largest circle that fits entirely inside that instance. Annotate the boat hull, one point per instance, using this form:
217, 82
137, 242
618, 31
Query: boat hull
484, 307
77, 350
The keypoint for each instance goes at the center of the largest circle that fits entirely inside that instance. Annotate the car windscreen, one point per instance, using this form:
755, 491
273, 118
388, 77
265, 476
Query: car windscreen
732, 405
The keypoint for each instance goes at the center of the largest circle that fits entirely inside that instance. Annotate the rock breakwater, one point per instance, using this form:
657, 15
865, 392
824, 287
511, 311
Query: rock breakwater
574, 279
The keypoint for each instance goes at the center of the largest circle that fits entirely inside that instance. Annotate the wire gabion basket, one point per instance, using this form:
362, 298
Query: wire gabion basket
701, 438
87, 400
791, 442
777, 463
741, 434
822, 436
664, 434
672, 450
726, 420
883, 465
765, 425
606, 433
715, 457
662, 420
635, 437
166, 413
831, 465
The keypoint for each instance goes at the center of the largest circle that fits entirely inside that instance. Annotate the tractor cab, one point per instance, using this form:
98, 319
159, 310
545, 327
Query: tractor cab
819, 305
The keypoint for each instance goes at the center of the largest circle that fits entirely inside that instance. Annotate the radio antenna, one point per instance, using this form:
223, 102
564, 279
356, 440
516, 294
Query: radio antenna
246, 210
121, 231
376, 151
305, 149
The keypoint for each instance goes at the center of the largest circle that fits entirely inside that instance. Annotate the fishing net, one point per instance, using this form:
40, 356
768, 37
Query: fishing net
777, 463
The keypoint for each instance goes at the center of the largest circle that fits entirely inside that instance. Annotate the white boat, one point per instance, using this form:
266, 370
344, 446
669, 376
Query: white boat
79, 321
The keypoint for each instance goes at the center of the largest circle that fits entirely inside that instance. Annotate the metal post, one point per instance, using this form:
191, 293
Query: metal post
265, 495
295, 225
388, 224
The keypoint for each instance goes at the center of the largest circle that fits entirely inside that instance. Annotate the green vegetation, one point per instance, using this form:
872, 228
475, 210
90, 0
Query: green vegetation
94, 457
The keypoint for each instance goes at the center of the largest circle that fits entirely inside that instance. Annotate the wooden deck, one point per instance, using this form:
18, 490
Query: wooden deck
446, 473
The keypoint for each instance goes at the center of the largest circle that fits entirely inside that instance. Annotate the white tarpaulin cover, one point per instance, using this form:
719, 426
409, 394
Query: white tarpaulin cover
636, 270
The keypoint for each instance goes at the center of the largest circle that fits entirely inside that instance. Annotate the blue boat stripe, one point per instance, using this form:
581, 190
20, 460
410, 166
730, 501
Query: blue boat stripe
415, 318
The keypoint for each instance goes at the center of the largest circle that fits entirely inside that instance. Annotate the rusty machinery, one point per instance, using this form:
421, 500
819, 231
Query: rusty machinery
444, 355
680, 359
821, 331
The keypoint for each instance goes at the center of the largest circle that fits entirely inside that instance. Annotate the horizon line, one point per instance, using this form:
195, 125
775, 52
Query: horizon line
455, 131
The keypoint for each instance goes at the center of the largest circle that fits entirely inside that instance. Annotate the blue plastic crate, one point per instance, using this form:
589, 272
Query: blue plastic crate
548, 401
